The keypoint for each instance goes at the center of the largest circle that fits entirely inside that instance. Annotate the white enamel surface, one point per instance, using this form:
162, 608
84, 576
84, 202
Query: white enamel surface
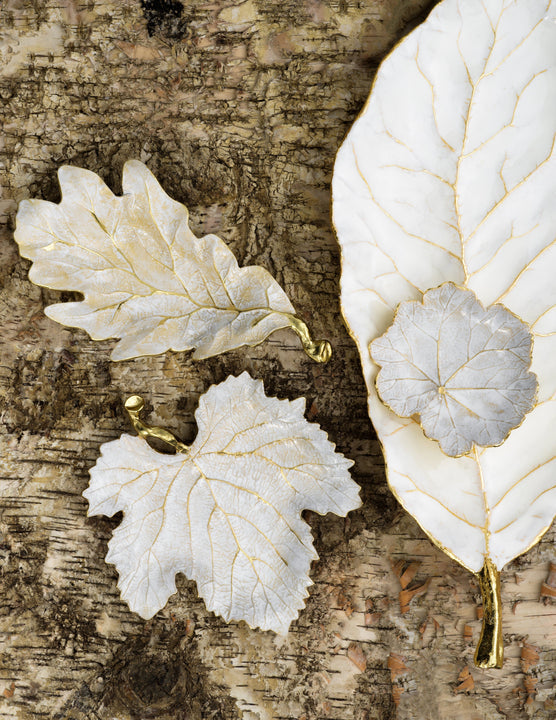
462, 368
146, 278
227, 513
449, 174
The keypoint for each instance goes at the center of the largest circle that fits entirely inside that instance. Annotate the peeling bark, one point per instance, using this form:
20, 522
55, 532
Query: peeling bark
238, 108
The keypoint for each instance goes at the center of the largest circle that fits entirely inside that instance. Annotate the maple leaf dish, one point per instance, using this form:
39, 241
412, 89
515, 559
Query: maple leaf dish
461, 368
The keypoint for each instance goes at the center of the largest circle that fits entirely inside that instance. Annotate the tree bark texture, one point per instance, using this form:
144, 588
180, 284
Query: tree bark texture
238, 108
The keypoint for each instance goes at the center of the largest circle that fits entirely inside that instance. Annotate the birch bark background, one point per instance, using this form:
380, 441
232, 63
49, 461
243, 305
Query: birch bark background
239, 109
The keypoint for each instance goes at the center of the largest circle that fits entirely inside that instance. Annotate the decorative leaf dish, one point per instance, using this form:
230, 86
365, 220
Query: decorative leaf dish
146, 278
225, 511
443, 202
463, 369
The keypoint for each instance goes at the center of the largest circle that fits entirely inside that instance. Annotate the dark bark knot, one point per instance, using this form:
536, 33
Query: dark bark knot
164, 18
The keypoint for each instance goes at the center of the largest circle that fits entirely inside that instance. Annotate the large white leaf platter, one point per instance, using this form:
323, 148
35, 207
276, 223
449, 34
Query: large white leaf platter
225, 511
449, 174
145, 277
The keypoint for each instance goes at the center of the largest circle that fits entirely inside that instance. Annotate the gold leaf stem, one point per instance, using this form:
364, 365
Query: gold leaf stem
490, 650
134, 405
318, 351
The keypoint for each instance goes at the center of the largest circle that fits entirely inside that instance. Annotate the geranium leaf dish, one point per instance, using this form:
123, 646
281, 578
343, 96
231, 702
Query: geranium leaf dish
225, 511
449, 176
463, 369
145, 277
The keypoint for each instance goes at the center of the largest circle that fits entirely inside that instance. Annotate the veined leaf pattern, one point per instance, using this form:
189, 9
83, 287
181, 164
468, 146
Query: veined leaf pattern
462, 368
146, 278
227, 512
450, 175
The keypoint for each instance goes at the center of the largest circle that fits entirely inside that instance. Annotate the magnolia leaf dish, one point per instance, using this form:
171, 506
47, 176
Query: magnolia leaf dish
448, 179
146, 278
225, 511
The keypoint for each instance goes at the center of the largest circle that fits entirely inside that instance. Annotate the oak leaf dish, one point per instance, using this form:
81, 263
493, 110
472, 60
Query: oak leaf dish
145, 277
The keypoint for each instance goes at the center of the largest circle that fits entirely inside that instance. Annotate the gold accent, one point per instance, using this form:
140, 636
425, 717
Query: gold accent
134, 405
318, 351
490, 650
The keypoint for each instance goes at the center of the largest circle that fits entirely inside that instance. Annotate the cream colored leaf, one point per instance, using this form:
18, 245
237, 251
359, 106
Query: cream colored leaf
145, 277
449, 174
227, 512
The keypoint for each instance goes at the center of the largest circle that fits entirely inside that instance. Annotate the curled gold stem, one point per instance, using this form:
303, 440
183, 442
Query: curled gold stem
318, 351
490, 650
134, 405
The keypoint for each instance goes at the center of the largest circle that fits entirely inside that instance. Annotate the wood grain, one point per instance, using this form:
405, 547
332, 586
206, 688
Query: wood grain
238, 108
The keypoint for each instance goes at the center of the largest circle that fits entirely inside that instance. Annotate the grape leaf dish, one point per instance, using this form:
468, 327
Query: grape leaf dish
225, 511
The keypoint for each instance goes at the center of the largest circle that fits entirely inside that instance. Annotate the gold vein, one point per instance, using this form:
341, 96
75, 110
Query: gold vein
423, 171
432, 497
502, 246
486, 528
504, 59
525, 268
524, 477
465, 138
396, 222
529, 506
433, 100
